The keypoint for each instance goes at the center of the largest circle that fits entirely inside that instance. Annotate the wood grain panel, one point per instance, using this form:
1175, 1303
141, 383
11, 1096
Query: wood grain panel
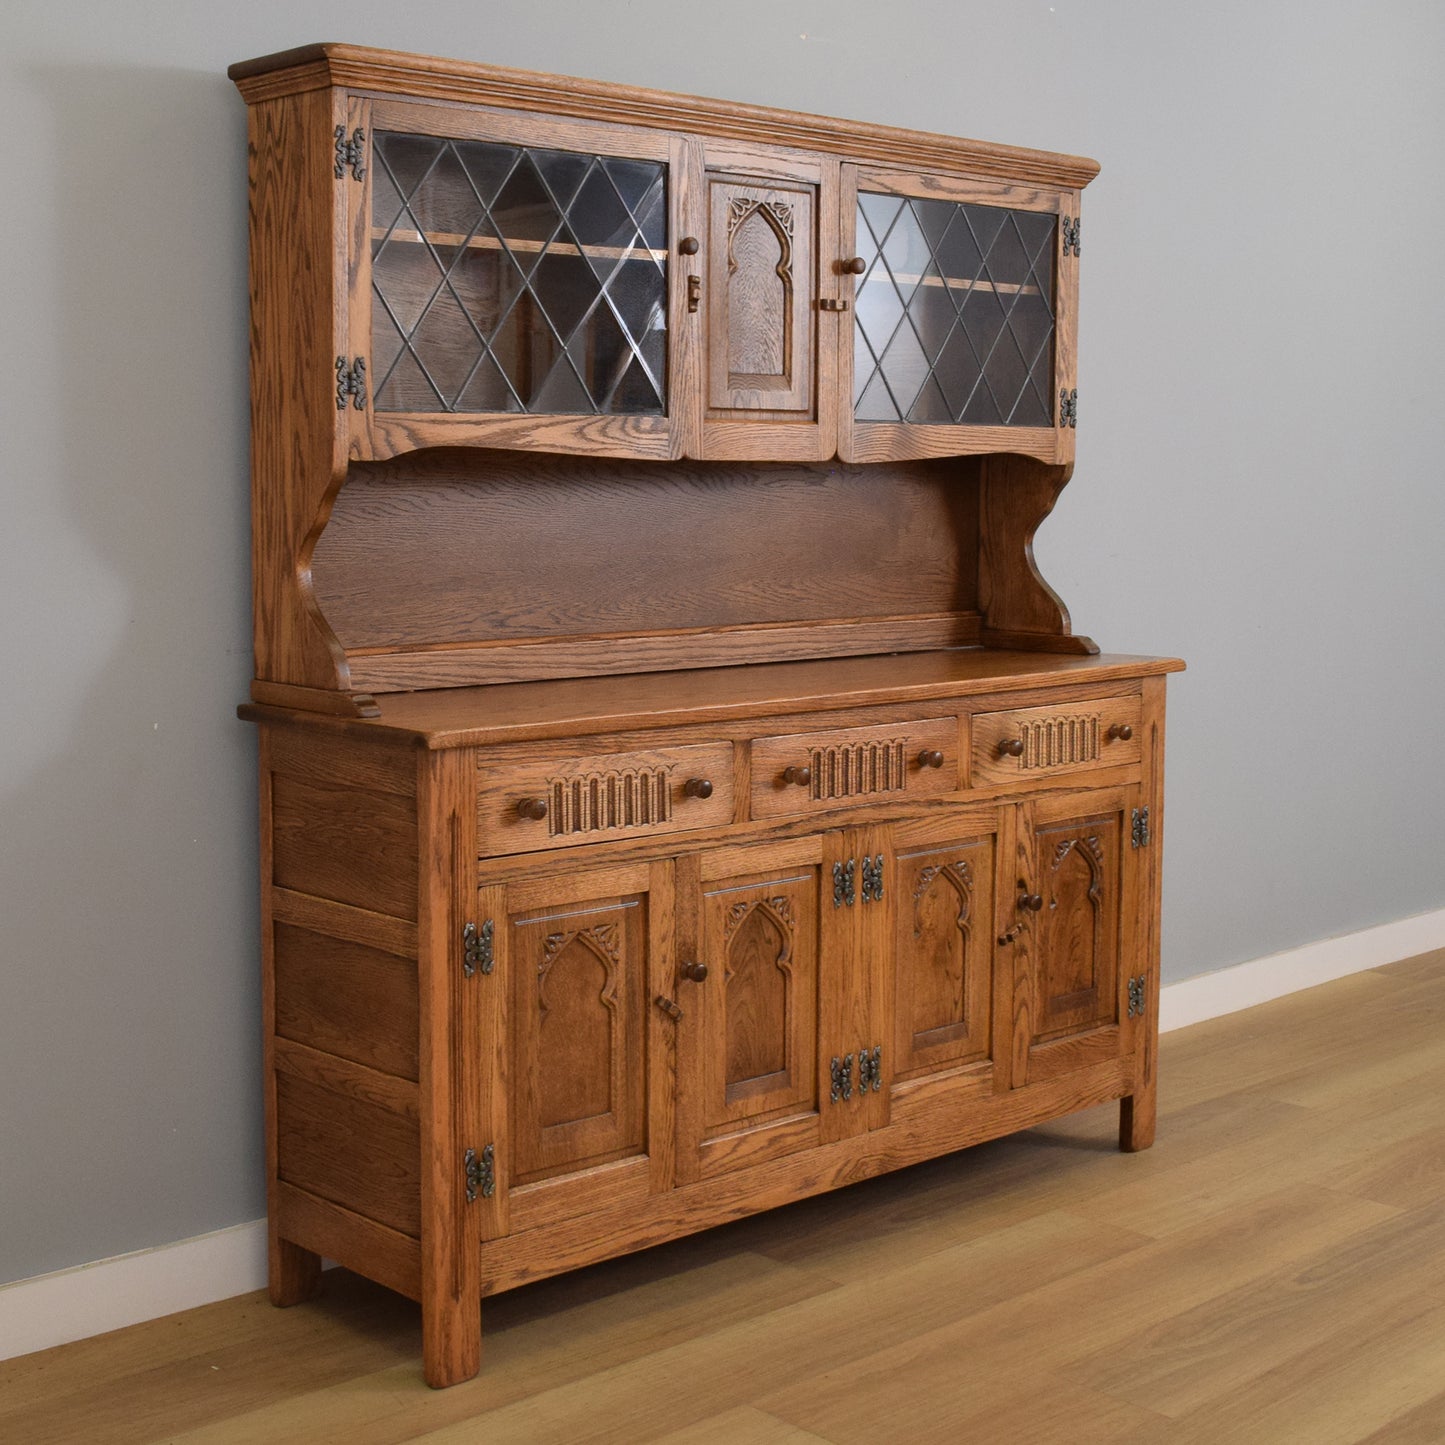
348, 999
347, 844
356, 1154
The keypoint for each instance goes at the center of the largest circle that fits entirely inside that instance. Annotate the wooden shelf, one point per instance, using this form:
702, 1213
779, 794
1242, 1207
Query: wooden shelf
954, 283
493, 243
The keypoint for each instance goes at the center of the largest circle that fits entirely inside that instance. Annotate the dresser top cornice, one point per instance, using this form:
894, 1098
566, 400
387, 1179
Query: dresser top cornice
390, 72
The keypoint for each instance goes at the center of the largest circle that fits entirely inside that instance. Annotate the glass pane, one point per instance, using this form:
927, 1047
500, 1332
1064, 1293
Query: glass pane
508, 279
955, 313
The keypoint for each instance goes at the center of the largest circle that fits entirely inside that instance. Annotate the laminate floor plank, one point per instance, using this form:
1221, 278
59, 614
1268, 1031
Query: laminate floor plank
1273, 1270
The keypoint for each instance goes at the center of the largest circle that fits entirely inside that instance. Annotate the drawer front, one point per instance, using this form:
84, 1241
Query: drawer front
811, 772
554, 802
1034, 742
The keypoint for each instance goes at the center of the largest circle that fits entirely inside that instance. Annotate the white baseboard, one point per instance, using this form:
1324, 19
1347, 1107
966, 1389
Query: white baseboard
1211, 995
73, 1304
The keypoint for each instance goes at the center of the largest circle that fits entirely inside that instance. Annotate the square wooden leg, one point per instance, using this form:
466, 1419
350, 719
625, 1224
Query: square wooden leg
294, 1274
1136, 1120
451, 1341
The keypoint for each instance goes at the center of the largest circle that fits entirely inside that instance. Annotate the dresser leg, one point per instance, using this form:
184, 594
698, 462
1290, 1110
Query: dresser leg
1136, 1120
451, 1341
294, 1274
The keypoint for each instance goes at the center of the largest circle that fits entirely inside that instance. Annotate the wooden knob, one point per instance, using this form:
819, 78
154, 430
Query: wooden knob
687, 246
1122, 731
930, 758
1030, 902
695, 970
1011, 748
801, 776
853, 266
533, 808
697, 788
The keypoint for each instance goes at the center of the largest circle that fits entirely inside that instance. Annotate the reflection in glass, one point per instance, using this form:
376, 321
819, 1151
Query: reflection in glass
516, 280
954, 313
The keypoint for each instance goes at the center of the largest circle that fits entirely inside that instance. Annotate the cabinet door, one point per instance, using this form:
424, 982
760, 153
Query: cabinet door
962, 335
581, 955
769, 361
1077, 934
755, 991
511, 284
943, 953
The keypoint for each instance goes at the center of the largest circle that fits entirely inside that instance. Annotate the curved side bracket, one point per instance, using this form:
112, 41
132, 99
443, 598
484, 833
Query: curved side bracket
1020, 610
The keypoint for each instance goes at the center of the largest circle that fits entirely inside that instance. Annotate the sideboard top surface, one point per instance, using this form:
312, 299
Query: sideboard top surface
390, 72
509, 712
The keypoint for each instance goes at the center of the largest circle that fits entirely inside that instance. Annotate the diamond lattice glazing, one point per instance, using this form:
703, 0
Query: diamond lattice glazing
508, 279
954, 313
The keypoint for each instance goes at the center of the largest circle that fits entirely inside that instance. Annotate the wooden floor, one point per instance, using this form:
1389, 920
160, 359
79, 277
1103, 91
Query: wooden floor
1272, 1270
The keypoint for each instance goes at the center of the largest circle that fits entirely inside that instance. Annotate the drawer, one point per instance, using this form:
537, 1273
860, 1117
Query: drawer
554, 802
1033, 742
808, 772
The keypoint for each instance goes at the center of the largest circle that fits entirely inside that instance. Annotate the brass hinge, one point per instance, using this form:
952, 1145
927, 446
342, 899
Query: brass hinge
870, 1069
350, 153
481, 1173
1069, 406
1139, 828
351, 382
873, 878
1136, 997
477, 952
843, 875
832, 303
1070, 226
842, 1079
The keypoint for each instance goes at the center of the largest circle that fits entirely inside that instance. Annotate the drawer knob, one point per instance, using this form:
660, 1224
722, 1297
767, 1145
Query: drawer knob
1011, 748
687, 246
853, 266
533, 808
930, 758
1030, 902
695, 970
1122, 731
697, 788
799, 776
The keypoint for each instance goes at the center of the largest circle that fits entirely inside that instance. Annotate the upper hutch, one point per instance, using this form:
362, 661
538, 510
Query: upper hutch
680, 791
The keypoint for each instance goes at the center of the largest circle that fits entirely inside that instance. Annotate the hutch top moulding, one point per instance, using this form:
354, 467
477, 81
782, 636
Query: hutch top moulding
680, 791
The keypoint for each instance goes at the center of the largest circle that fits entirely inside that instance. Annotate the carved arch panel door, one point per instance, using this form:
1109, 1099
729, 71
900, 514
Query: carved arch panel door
1077, 922
761, 983
579, 958
764, 282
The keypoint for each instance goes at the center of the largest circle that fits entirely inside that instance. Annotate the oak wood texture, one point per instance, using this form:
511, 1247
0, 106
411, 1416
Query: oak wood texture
1270, 1270
662, 819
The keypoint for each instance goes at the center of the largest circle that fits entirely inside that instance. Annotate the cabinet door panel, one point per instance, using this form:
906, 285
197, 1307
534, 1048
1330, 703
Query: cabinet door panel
749, 1038
1074, 952
943, 956
579, 970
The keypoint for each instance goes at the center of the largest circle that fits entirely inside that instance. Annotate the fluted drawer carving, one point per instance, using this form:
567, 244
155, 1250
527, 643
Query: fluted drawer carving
1032, 742
844, 765
615, 795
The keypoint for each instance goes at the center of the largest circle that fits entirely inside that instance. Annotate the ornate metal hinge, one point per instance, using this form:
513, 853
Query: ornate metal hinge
1139, 828
842, 1072
351, 381
481, 1173
1070, 226
870, 1069
843, 875
1069, 406
351, 153
477, 948
832, 303
873, 878
1136, 997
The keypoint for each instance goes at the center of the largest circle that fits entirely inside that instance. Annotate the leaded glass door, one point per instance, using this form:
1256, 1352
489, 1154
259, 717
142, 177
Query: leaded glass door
513, 285
962, 337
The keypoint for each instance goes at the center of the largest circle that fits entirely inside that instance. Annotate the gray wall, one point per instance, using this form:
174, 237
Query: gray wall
1258, 490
